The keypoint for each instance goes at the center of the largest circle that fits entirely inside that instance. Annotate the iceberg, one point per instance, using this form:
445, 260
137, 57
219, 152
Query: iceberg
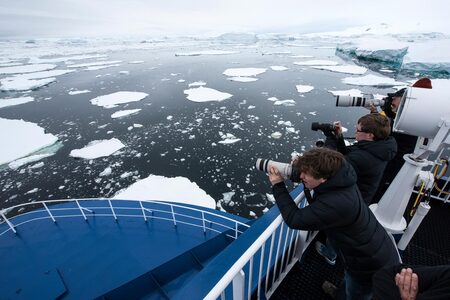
114, 99
372, 80
99, 148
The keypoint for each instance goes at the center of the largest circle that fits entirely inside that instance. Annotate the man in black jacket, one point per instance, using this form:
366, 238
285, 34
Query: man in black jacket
370, 154
337, 208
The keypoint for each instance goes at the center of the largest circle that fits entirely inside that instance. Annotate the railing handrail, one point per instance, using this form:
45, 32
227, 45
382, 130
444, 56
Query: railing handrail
235, 224
228, 267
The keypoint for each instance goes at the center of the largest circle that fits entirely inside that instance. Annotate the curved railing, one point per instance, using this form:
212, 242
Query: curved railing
16, 216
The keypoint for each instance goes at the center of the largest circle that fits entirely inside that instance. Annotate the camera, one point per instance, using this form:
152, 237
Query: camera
285, 169
345, 101
325, 127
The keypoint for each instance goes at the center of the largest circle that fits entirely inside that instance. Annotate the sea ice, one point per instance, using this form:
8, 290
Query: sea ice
243, 79
123, 113
205, 52
351, 92
20, 138
288, 102
202, 94
197, 83
244, 72
316, 63
97, 63
15, 101
372, 80
356, 70
65, 59
24, 84
39, 75
279, 68
26, 69
99, 148
77, 92
114, 99
26, 160
304, 88
170, 189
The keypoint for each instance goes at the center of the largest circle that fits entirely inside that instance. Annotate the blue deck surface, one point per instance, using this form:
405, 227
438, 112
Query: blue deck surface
87, 258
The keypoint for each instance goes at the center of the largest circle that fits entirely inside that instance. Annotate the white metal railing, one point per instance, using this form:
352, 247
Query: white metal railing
49, 209
289, 248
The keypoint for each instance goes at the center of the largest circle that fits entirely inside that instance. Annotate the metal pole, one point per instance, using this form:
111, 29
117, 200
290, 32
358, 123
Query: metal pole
112, 209
8, 222
48, 210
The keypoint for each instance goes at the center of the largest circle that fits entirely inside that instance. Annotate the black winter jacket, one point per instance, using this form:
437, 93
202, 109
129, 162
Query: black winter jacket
369, 159
338, 209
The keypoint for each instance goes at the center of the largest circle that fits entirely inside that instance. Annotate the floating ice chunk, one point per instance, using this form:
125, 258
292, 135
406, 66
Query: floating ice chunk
304, 88
15, 101
302, 56
243, 79
39, 75
95, 68
124, 72
97, 63
20, 84
26, 69
171, 189
112, 100
138, 125
26, 160
356, 70
372, 80
79, 92
276, 135
313, 113
99, 148
197, 83
32, 191
272, 98
279, 68
386, 71
38, 165
244, 72
136, 62
351, 92
20, 138
202, 94
316, 63
106, 172
287, 102
65, 59
205, 52
228, 138
123, 113
277, 53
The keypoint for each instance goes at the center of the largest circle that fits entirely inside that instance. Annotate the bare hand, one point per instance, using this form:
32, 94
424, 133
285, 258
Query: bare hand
407, 283
275, 176
338, 128
373, 109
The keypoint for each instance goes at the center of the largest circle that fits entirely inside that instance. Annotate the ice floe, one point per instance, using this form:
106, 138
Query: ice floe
304, 88
276, 135
228, 138
279, 68
205, 52
114, 99
98, 148
171, 189
244, 72
65, 58
351, 92
372, 80
39, 75
15, 101
26, 160
287, 102
123, 113
26, 69
78, 92
316, 63
20, 84
356, 70
203, 94
20, 138
243, 79
94, 64
197, 83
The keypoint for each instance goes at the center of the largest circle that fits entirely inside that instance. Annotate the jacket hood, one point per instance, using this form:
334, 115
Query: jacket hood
346, 176
385, 150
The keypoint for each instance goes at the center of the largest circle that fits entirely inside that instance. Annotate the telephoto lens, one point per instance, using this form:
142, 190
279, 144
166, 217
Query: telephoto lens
345, 101
323, 126
286, 170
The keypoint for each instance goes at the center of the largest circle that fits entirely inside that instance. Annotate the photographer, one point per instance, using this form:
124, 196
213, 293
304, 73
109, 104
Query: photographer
405, 143
370, 155
337, 208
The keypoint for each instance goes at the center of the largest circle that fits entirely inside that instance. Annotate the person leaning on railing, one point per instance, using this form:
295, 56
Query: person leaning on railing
337, 208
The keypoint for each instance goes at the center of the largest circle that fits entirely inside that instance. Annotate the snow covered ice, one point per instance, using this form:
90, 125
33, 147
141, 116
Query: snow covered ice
96, 149
114, 99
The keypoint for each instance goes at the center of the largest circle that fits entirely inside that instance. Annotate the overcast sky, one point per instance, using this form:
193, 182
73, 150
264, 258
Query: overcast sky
45, 18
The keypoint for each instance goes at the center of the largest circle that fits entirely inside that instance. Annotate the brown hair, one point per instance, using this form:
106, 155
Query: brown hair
376, 124
319, 162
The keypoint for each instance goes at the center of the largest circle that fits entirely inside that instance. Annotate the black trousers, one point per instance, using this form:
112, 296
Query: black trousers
434, 282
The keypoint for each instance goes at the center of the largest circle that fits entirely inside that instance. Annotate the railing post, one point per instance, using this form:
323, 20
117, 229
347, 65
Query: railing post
173, 216
275, 276
81, 209
112, 209
48, 210
203, 221
8, 222
250, 277
272, 241
143, 211
235, 230
239, 286
261, 263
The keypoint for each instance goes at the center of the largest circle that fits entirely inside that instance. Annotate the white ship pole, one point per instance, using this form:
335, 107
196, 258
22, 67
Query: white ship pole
421, 212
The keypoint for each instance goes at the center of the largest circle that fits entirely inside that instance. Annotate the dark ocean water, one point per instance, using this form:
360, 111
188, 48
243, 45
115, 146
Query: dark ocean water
163, 145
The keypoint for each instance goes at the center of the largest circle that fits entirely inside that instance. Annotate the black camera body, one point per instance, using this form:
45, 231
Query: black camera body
325, 127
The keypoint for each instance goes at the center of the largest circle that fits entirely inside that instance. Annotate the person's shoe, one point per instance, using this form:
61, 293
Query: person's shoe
322, 250
329, 289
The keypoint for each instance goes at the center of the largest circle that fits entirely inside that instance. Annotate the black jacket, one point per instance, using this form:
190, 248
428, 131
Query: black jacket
369, 159
338, 209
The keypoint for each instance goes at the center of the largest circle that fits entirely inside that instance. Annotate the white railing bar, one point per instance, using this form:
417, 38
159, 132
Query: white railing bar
143, 211
277, 254
235, 231
150, 201
203, 222
239, 286
46, 208
272, 240
284, 250
222, 295
79, 206
250, 277
291, 245
11, 226
173, 216
112, 210
261, 263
